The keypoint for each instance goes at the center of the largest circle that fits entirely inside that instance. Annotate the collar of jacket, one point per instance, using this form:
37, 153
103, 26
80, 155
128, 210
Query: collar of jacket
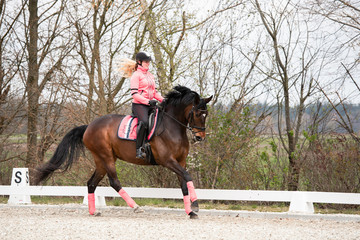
142, 69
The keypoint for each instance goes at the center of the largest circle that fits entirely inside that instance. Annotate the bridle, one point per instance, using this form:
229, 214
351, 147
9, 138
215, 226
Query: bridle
190, 118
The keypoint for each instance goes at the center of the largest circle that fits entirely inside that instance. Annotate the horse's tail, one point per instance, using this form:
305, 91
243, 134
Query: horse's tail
66, 153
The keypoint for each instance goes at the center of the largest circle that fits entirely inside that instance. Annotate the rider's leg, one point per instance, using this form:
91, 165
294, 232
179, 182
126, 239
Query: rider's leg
142, 113
141, 130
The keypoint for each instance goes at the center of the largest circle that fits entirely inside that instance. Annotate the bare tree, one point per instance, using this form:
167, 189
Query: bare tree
344, 13
9, 61
45, 55
169, 27
293, 71
344, 117
344, 17
224, 67
12, 98
103, 30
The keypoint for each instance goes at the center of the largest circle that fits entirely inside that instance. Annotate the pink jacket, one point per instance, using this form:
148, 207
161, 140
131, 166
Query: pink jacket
142, 86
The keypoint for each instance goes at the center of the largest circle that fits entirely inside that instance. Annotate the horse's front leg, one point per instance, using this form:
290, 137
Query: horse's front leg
187, 187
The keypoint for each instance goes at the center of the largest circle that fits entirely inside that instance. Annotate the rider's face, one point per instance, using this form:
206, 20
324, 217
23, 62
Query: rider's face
146, 64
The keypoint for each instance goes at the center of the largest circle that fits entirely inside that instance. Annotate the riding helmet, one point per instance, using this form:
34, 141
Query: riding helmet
143, 56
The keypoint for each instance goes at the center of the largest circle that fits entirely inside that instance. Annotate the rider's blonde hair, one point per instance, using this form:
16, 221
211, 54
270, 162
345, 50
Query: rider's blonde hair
127, 67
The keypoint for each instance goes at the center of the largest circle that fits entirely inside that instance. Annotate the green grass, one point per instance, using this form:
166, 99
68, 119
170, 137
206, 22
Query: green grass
48, 200
16, 138
3, 199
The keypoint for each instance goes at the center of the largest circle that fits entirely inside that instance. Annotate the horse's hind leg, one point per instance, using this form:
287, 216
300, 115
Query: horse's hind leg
115, 183
92, 184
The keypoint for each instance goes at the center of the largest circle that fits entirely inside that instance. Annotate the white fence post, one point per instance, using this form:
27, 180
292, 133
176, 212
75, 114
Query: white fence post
299, 203
20, 178
99, 201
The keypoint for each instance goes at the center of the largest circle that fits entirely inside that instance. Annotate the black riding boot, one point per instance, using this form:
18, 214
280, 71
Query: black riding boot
140, 151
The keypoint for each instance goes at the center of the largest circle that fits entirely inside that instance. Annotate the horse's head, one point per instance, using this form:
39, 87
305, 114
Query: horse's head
190, 109
197, 117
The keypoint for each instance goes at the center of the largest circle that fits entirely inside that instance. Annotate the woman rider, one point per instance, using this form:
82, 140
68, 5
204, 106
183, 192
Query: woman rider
143, 92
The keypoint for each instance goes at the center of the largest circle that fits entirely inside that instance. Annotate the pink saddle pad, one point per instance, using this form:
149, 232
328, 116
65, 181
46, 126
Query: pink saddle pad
128, 126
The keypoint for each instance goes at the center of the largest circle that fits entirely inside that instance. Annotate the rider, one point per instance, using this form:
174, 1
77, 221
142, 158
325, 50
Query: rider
143, 92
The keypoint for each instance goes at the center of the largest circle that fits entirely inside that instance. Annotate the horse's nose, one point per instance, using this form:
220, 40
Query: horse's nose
198, 138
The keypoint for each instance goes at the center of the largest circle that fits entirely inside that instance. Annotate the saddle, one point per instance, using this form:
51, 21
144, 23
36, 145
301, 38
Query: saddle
127, 131
128, 125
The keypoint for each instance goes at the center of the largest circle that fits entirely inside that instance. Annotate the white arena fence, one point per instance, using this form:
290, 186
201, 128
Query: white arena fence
300, 201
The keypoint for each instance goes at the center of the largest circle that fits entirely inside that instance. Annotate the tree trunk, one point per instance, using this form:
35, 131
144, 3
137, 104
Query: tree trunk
282, 68
32, 84
160, 69
293, 169
164, 84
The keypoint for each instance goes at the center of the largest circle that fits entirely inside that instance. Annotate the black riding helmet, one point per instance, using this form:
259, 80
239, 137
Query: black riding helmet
143, 56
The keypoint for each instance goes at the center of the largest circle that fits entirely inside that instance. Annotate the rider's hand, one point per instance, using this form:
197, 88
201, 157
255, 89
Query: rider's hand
152, 103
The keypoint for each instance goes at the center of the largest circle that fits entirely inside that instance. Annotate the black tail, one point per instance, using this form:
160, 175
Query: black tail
66, 153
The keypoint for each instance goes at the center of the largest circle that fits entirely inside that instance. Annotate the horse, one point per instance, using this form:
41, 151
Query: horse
181, 110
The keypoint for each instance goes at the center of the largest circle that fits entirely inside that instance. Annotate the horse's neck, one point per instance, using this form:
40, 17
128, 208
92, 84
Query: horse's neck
175, 121
178, 114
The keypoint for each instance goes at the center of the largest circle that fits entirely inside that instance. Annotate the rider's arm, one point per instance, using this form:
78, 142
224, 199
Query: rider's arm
158, 96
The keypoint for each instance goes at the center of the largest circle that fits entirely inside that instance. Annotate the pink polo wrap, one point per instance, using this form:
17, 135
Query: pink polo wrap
91, 203
191, 188
187, 204
127, 198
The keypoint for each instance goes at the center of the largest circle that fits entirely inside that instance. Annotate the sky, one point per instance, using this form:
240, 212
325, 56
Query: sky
333, 70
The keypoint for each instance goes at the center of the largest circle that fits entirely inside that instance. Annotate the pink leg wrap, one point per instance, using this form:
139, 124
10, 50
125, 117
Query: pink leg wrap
91, 203
127, 198
190, 186
187, 204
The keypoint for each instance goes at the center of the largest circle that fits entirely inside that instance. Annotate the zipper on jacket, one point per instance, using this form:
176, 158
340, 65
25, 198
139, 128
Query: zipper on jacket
149, 87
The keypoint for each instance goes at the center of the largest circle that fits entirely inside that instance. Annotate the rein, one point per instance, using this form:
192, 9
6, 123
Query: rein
190, 118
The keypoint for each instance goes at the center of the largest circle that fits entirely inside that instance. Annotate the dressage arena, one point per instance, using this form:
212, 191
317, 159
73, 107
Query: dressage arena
73, 222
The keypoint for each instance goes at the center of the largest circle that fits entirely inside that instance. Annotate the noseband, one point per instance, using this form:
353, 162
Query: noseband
191, 119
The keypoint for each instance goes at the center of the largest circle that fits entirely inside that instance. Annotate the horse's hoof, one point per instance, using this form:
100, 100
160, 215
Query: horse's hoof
138, 209
96, 214
195, 206
193, 215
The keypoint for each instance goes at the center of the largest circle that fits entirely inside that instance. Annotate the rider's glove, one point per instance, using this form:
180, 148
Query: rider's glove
152, 103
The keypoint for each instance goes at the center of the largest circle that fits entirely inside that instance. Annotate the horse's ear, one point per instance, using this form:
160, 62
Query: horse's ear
207, 100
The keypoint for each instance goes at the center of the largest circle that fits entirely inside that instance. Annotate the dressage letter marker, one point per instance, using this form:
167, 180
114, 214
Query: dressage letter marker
20, 178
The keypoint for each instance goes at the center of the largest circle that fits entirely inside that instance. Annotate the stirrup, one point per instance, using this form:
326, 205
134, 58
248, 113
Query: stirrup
140, 153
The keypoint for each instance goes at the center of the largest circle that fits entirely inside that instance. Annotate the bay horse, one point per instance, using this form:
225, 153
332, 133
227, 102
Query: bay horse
181, 109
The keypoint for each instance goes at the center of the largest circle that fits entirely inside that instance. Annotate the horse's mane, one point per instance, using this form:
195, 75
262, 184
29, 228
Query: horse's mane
180, 95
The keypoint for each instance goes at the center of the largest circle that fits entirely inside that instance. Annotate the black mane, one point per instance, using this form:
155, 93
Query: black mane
181, 95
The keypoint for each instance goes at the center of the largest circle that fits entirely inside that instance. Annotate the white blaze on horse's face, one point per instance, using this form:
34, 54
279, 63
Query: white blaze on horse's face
199, 128
199, 124
200, 113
